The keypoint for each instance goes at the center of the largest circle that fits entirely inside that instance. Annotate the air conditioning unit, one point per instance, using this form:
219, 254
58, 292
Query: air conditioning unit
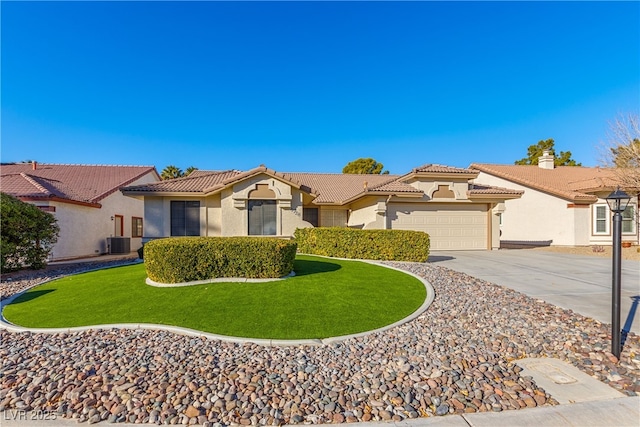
119, 245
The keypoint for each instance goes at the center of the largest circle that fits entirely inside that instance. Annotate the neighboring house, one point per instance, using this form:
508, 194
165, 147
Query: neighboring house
563, 205
86, 202
436, 199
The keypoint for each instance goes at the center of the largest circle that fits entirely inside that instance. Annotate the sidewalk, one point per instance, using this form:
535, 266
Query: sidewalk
620, 412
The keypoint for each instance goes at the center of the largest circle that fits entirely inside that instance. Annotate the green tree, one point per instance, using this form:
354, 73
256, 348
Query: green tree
535, 151
189, 170
27, 234
364, 166
171, 172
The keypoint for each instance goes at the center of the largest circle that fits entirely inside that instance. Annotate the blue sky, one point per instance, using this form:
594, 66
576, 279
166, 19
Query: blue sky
306, 86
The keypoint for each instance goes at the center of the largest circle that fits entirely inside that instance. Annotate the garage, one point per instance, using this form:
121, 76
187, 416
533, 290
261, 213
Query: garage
450, 226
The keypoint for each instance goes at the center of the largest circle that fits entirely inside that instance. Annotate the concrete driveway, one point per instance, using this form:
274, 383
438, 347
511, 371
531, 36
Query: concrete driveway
579, 283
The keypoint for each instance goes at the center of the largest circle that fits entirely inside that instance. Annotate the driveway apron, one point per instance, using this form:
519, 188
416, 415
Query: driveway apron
580, 283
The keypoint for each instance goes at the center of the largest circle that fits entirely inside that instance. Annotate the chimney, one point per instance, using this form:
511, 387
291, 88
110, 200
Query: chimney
365, 186
546, 160
34, 165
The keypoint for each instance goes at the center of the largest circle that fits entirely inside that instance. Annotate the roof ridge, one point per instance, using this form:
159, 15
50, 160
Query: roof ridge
33, 181
81, 164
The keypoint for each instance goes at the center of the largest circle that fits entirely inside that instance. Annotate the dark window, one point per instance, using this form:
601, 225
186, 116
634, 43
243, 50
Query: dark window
262, 218
136, 227
185, 218
310, 215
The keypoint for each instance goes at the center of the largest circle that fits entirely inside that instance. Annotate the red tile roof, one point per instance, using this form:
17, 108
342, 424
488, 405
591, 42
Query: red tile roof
573, 183
86, 184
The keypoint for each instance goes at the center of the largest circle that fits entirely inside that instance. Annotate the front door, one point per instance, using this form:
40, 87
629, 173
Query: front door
262, 218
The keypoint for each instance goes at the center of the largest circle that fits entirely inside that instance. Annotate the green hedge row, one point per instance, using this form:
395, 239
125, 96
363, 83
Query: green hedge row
398, 245
185, 259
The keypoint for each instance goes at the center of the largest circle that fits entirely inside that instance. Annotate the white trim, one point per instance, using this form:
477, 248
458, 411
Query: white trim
595, 219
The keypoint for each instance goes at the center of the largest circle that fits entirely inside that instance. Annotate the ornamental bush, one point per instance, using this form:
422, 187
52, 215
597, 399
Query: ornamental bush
27, 234
387, 245
186, 259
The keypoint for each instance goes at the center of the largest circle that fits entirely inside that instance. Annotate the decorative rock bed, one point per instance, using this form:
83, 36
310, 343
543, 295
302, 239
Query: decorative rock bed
457, 357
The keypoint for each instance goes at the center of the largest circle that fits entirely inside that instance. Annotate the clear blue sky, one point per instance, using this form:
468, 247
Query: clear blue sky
302, 86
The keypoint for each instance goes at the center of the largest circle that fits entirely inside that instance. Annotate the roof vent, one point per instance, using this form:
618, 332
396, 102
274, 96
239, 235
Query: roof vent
546, 160
34, 165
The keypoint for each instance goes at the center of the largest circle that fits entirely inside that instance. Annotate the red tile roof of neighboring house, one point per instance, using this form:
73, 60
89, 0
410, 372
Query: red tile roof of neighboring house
573, 183
328, 188
85, 184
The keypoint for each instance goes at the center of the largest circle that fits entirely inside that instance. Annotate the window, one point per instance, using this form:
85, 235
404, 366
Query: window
185, 218
310, 215
262, 218
333, 218
600, 219
628, 220
136, 226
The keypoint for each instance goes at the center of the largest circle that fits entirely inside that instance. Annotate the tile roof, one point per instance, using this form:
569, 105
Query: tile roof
573, 183
489, 189
329, 188
434, 168
339, 188
194, 183
75, 183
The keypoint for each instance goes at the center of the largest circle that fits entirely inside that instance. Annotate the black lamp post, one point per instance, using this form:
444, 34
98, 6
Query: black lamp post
617, 201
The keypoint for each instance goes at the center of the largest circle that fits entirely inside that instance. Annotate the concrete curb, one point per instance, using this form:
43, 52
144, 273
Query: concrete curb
150, 282
6, 325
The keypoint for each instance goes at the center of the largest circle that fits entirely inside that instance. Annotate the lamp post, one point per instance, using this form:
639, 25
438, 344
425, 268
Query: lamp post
617, 201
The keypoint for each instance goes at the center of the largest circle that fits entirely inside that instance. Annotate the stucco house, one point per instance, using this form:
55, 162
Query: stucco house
561, 206
440, 200
86, 201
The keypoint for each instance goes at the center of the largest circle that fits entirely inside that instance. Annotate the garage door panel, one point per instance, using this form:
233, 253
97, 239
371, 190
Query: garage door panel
451, 227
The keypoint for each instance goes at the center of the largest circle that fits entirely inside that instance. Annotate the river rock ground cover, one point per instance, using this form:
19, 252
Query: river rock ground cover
457, 357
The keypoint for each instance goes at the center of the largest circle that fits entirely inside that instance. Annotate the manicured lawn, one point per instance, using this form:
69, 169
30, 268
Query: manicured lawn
326, 298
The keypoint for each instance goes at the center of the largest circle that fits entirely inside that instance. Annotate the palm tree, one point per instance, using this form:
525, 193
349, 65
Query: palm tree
189, 170
171, 172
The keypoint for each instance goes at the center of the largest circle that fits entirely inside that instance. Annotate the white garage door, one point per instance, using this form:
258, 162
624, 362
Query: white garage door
450, 227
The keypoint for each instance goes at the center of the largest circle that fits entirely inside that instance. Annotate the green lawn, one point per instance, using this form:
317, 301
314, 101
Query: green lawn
326, 298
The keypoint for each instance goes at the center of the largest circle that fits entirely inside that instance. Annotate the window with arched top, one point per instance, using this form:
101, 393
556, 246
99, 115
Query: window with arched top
262, 211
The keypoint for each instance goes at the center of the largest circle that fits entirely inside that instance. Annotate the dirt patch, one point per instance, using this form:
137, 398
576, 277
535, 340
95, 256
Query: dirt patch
632, 253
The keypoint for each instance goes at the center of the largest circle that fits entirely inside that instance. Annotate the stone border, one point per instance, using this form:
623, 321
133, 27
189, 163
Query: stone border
6, 325
150, 282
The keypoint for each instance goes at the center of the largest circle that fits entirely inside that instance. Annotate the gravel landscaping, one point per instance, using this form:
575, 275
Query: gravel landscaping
459, 356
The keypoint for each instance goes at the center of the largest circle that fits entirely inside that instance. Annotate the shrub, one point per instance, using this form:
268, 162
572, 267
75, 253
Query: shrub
186, 259
27, 234
388, 245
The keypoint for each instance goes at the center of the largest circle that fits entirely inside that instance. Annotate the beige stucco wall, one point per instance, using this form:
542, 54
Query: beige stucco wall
84, 230
368, 213
459, 187
538, 216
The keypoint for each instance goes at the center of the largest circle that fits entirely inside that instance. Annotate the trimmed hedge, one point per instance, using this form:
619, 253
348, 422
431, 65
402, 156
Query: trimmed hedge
186, 259
386, 245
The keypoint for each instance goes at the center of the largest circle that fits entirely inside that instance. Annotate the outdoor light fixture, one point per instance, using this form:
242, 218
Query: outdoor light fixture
617, 201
